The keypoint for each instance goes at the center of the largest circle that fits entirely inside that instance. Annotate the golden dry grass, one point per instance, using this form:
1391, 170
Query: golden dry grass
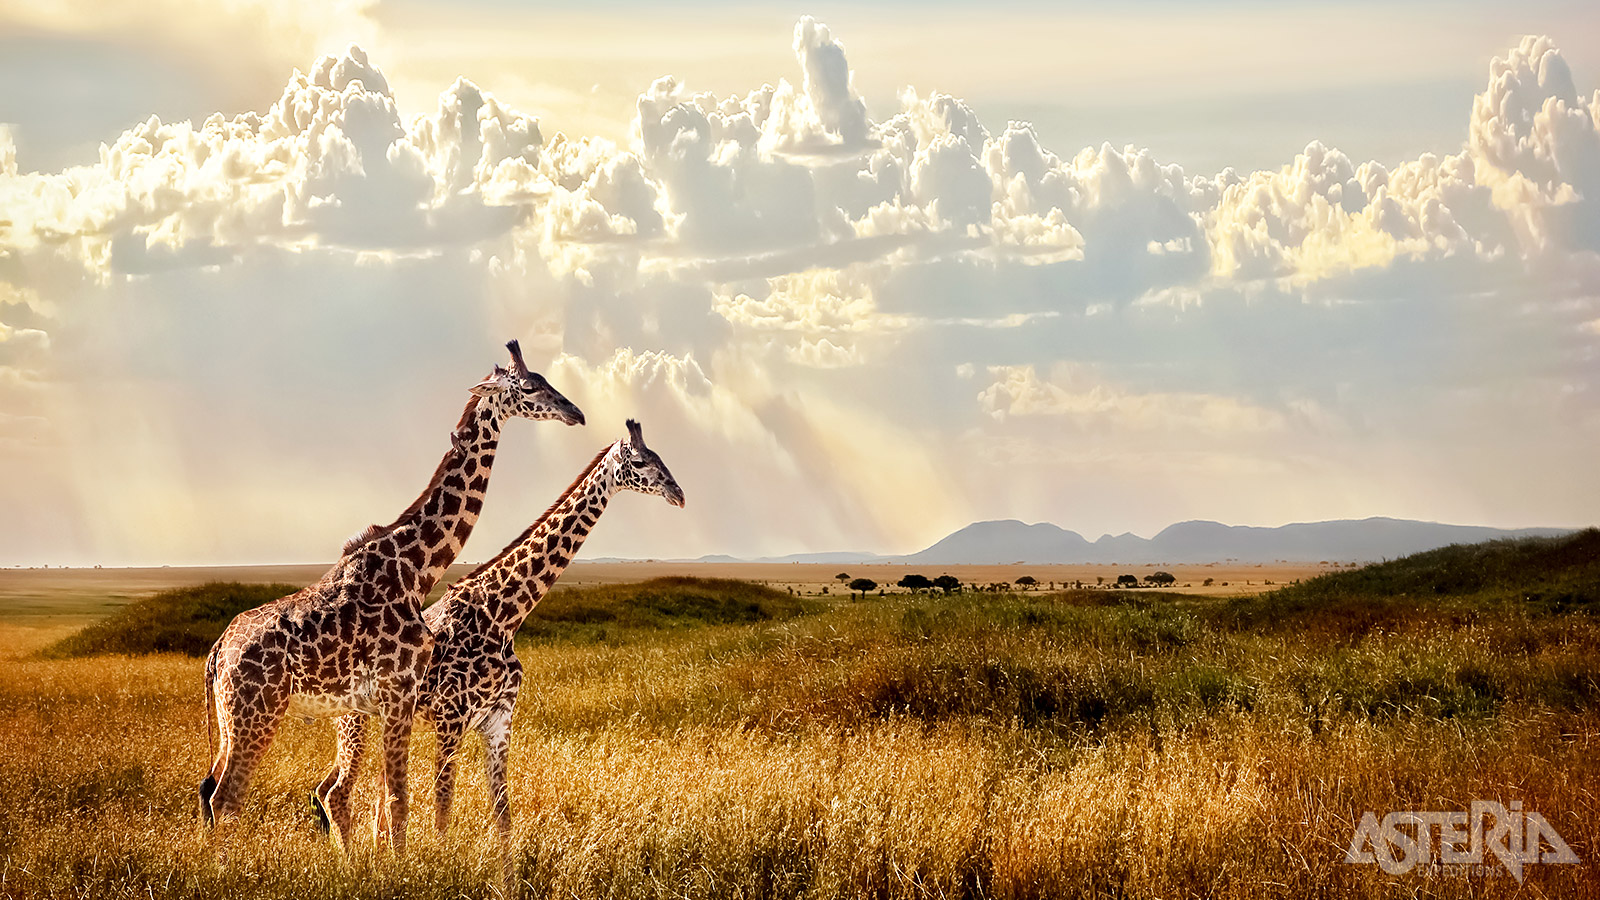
910, 747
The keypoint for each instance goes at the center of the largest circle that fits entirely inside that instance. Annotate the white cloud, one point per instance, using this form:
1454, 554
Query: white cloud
1081, 395
822, 313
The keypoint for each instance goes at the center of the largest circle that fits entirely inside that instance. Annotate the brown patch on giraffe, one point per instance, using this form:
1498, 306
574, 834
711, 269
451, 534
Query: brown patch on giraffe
414, 556
430, 532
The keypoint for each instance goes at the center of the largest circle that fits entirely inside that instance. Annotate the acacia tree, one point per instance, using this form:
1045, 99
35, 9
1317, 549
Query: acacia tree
1027, 582
915, 583
863, 585
842, 577
1127, 581
1160, 579
947, 583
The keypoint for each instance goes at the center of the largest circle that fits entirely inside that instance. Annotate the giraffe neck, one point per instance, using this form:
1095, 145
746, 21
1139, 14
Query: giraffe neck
447, 510
514, 582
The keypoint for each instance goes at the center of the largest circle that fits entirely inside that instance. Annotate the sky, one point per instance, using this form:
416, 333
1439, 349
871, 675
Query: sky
866, 272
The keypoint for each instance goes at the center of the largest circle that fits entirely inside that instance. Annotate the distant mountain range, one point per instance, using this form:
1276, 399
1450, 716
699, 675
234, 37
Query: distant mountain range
1345, 540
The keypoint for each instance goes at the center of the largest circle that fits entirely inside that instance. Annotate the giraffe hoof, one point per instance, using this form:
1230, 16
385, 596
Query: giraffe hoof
319, 813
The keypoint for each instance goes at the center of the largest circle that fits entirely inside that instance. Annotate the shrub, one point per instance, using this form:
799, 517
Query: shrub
183, 620
597, 612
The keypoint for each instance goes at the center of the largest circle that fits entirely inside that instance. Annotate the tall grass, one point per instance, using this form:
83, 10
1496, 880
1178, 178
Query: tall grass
1087, 744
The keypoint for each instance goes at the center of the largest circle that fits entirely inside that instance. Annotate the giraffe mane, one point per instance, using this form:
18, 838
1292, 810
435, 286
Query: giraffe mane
374, 531
528, 532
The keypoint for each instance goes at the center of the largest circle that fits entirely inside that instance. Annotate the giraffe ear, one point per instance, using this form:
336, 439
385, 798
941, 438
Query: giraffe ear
491, 385
488, 386
635, 435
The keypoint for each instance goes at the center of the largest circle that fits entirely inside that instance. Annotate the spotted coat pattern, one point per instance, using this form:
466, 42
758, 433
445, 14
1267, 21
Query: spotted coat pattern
356, 639
474, 676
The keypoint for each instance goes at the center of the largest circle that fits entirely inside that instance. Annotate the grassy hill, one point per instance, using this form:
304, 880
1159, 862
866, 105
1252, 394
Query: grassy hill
189, 620
601, 611
1537, 575
182, 620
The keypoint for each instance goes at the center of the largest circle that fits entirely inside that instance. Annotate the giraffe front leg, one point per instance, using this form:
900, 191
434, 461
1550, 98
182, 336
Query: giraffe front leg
333, 794
448, 736
395, 804
497, 748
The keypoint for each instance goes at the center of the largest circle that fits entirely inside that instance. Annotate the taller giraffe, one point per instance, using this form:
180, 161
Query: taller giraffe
474, 676
355, 640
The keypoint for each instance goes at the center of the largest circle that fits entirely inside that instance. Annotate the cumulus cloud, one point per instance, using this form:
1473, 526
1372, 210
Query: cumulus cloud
827, 300
333, 162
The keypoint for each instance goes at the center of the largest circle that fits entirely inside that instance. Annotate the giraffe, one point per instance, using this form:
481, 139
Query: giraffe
355, 640
474, 676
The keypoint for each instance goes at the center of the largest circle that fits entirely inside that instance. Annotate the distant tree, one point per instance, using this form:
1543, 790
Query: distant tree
863, 585
842, 577
1160, 579
1208, 582
1127, 581
1099, 579
915, 583
1027, 582
947, 583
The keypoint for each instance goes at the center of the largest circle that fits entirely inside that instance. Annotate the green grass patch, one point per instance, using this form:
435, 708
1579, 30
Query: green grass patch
607, 612
1543, 576
183, 620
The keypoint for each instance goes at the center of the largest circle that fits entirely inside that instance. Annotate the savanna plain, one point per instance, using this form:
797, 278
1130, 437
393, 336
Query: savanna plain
697, 737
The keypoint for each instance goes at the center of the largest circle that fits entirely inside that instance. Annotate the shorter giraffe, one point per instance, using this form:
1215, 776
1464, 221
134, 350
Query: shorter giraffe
474, 676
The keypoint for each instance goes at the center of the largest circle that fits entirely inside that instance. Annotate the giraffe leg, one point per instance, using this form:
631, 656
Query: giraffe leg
332, 796
497, 746
394, 806
319, 806
448, 737
246, 726
208, 787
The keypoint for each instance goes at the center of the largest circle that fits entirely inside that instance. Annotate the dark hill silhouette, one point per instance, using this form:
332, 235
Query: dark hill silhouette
1347, 540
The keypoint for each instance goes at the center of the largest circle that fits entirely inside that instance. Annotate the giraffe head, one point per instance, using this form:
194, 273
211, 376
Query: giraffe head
640, 469
519, 392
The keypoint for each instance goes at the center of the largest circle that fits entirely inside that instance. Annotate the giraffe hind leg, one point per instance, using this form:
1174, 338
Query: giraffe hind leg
207, 789
332, 796
319, 813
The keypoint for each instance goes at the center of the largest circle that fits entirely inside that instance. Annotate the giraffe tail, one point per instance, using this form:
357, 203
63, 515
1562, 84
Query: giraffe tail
209, 785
